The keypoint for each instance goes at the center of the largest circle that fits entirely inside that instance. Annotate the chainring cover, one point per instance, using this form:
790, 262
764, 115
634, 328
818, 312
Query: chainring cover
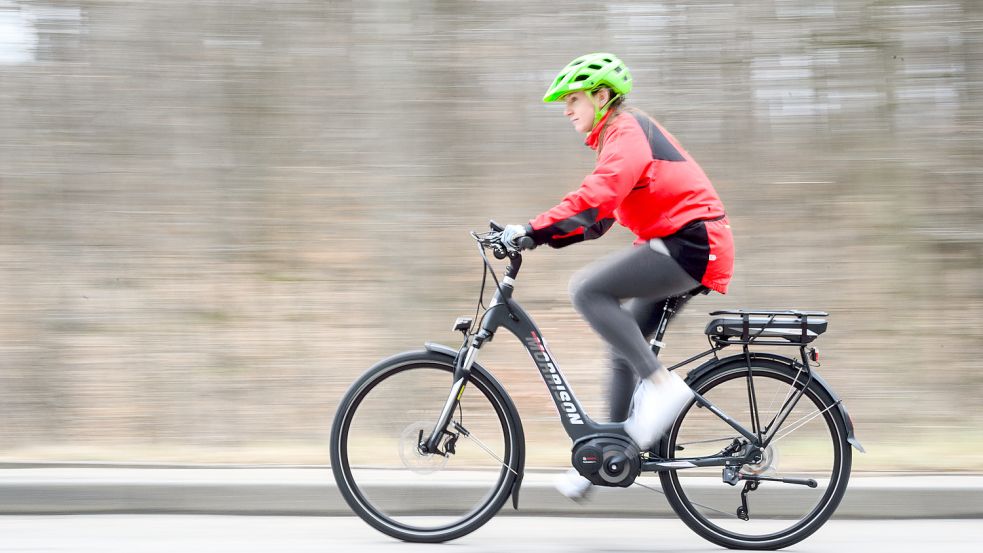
608, 461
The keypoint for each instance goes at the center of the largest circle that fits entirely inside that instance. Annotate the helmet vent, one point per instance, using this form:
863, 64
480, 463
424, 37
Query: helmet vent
594, 66
580, 78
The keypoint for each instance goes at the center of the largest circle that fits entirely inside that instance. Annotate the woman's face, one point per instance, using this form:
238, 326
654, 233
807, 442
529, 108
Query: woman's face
580, 110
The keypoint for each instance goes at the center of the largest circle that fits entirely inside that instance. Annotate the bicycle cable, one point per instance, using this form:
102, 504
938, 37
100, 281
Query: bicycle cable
481, 299
489, 269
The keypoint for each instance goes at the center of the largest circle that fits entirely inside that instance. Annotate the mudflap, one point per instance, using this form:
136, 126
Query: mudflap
515, 491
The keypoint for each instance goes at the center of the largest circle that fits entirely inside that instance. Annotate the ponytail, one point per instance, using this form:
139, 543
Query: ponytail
615, 107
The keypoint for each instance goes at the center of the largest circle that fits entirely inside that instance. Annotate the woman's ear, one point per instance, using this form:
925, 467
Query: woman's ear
603, 95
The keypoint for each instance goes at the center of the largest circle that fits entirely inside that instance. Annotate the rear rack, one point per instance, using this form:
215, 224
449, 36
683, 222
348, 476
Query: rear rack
762, 327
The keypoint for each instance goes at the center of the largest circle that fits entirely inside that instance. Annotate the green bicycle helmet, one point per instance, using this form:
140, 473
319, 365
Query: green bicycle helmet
588, 73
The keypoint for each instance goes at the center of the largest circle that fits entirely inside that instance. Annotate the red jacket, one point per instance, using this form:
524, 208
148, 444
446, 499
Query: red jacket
647, 182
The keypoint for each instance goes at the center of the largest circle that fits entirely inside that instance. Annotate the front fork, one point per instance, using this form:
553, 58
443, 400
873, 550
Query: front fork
462, 369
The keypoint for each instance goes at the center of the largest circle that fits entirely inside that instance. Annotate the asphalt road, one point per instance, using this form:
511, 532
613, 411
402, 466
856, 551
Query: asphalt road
244, 534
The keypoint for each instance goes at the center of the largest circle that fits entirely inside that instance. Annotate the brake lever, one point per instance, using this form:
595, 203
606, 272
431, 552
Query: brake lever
492, 241
486, 239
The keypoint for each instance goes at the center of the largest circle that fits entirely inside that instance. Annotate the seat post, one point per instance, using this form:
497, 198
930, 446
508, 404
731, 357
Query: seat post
668, 310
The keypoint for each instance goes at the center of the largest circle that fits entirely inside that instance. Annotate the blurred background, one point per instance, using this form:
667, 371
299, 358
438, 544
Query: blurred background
215, 215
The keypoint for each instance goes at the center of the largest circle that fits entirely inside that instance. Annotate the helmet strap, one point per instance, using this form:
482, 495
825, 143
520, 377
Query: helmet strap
600, 111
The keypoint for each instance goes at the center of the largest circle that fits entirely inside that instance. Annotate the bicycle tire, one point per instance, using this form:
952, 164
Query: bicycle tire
387, 519
700, 517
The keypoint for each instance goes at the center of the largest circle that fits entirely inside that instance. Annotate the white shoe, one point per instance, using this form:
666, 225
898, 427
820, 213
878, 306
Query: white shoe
572, 484
655, 408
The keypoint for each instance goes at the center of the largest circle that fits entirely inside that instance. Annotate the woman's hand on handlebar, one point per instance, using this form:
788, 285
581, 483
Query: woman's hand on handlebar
510, 236
514, 238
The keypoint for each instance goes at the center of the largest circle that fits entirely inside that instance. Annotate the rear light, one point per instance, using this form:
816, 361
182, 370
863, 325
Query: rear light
814, 355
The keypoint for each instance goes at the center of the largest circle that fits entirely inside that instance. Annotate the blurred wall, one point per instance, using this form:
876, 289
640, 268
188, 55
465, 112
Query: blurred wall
214, 215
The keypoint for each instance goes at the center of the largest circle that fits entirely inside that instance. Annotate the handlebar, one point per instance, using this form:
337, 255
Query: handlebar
526, 243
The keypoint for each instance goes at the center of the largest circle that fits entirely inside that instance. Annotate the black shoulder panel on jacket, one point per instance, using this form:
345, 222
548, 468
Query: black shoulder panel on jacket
660, 145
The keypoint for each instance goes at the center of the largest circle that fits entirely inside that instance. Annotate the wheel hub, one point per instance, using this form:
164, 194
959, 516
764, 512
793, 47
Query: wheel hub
765, 465
412, 454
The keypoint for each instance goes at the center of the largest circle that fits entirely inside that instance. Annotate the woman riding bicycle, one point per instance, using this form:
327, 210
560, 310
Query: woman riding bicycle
644, 180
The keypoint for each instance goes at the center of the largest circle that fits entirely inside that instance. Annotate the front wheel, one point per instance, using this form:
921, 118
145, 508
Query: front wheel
810, 445
422, 497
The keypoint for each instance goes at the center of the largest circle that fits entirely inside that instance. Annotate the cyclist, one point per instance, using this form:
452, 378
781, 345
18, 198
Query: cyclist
644, 180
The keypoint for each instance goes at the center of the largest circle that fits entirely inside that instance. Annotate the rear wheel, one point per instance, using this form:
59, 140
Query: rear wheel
415, 496
810, 445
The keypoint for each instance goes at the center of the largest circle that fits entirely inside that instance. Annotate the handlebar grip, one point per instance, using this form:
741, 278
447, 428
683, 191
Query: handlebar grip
525, 243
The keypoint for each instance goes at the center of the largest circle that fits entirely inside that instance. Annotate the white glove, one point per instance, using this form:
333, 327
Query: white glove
510, 234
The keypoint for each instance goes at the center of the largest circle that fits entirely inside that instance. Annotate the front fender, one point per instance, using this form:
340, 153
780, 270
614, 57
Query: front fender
739, 359
521, 458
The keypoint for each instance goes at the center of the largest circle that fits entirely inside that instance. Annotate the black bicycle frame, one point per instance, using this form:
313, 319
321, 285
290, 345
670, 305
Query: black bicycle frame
506, 313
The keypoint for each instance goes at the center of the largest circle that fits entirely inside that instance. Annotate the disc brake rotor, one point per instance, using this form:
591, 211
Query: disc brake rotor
409, 450
767, 464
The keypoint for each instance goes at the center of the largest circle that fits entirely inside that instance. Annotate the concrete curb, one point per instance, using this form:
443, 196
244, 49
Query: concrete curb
38, 489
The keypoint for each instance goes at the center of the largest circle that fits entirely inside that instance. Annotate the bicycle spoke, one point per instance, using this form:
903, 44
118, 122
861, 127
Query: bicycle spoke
800, 423
788, 406
481, 444
788, 395
650, 488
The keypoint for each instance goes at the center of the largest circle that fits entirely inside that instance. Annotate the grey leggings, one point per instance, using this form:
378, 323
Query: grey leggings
646, 276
